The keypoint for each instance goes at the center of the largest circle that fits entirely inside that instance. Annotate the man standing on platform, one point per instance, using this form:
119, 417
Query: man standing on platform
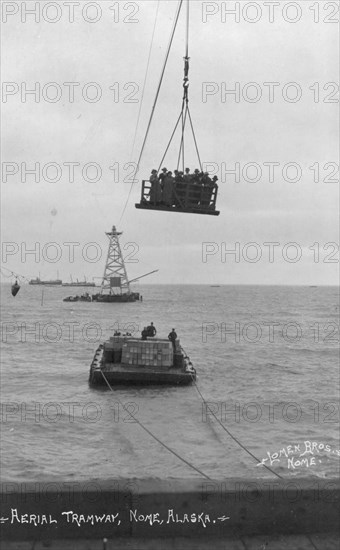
173, 337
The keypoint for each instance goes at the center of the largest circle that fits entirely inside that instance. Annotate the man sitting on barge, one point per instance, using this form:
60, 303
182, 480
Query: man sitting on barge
151, 330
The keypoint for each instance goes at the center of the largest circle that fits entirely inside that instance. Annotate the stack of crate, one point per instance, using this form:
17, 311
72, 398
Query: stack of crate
113, 349
156, 353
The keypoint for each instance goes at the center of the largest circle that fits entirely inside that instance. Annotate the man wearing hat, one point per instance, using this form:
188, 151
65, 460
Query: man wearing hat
151, 329
162, 176
168, 188
196, 176
155, 190
187, 176
172, 337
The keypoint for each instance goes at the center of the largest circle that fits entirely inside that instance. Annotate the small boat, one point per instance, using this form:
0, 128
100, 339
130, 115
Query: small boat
83, 298
133, 361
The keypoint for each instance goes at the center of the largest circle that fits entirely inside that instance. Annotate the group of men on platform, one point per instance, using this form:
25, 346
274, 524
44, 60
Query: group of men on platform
151, 331
182, 189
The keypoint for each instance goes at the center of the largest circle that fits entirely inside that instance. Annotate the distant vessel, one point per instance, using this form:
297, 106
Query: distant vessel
132, 361
38, 281
79, 283
215, 286
83, 298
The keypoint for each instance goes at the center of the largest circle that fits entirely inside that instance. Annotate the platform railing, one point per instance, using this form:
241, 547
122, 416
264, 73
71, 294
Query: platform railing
185, 195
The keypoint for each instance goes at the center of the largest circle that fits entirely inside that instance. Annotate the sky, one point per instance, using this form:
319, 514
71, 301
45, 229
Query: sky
277, 135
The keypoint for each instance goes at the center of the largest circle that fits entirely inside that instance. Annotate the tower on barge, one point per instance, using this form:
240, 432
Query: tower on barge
115, 285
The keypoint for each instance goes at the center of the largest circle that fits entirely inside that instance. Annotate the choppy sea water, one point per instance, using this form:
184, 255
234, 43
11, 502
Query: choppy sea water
267, 360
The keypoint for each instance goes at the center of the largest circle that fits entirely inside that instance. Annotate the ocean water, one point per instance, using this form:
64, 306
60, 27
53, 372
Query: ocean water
267, 360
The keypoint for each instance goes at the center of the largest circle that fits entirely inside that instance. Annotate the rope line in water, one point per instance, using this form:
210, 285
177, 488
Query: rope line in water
154, 436
174, 452
228, 432
232, 436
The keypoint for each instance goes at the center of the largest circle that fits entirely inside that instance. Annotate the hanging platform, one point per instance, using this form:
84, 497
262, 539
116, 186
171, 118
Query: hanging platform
190, 198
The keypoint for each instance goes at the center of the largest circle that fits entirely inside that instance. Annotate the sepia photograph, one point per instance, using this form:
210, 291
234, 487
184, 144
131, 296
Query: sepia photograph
170, 223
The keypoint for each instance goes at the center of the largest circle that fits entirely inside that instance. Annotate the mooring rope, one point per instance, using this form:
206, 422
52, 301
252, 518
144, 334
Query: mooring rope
228, 431
154, 436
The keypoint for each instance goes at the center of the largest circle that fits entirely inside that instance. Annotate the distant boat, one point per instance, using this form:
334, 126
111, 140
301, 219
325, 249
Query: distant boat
52, 282
83, 298
215, 286
79, 283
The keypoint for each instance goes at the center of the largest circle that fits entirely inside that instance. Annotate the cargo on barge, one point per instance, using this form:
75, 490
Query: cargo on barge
132, 361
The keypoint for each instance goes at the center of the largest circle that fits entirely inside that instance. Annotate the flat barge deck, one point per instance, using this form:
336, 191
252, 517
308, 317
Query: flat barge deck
132, 361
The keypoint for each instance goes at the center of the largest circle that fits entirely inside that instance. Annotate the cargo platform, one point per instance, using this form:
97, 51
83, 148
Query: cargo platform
120, 373
132, 361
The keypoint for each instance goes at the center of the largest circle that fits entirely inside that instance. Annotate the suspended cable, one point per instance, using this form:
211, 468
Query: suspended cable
181, 148
187, 33
193, 133
12, 274
144, 83
172, 135
154, 436
154, 105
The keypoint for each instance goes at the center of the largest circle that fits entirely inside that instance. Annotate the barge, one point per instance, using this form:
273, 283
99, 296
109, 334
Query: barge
133, 361
116, 298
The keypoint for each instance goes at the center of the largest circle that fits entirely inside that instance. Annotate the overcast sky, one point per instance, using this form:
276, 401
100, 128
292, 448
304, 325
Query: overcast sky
262, 123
